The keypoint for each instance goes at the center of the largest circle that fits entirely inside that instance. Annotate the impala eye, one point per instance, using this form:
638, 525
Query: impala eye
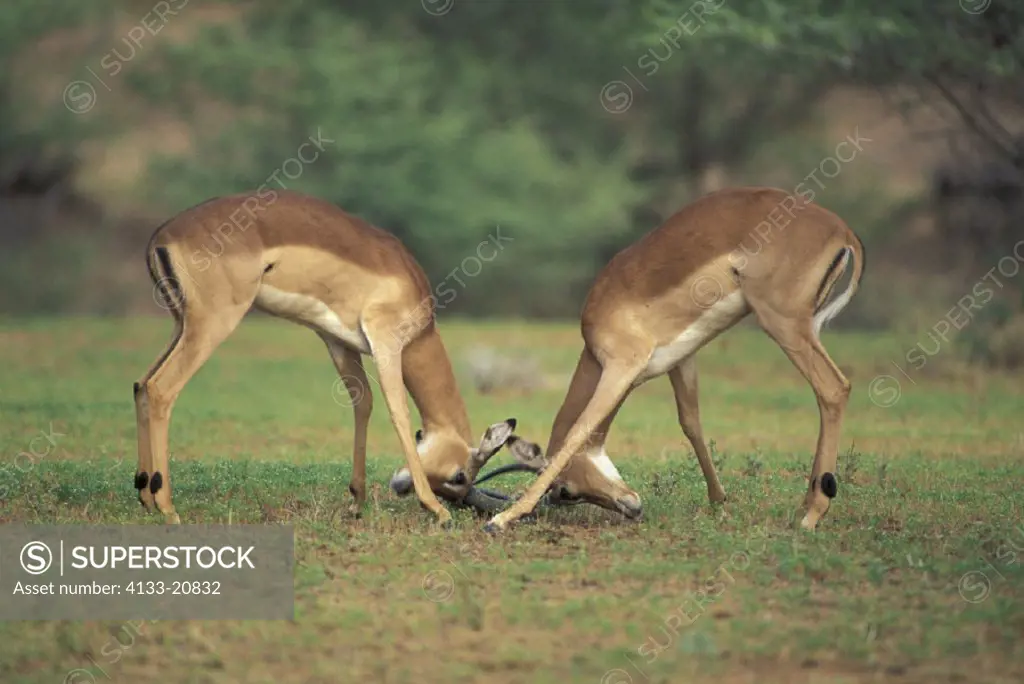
459, 479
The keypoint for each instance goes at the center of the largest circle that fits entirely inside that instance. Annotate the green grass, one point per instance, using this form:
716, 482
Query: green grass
930, 490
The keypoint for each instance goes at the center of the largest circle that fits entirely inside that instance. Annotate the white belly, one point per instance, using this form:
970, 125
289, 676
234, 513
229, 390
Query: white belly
311, 312
720, 316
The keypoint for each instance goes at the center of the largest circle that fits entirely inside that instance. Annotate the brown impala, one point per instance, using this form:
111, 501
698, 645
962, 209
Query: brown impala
657, 302
358, 288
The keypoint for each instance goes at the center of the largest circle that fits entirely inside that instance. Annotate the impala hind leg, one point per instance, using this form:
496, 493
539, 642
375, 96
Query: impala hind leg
145, 466
684, 385
353, 375
831, 388
157, 392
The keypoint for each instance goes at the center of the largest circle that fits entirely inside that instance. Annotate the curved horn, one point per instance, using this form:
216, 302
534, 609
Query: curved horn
509, 468
489, 501
485, 501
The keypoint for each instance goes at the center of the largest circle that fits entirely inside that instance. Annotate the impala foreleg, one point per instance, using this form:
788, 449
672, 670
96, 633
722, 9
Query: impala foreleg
389, 370
614, 384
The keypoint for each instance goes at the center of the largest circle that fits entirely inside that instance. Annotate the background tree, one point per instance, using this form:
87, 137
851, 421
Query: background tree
575, 129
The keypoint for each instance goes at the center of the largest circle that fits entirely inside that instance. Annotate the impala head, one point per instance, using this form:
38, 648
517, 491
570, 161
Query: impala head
590, 478
593, 478
452, 465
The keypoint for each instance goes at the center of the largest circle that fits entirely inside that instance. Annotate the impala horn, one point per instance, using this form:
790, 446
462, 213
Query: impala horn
529, 458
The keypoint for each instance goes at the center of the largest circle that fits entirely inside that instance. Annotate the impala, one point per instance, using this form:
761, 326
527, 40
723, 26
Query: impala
357, 287
660, 300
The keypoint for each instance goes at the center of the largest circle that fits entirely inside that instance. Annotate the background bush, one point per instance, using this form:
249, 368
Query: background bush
445, 128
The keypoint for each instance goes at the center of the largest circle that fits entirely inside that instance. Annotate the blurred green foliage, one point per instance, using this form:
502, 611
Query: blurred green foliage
572, 126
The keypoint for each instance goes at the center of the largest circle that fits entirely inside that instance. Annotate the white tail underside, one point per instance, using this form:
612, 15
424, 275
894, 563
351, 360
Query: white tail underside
833, 308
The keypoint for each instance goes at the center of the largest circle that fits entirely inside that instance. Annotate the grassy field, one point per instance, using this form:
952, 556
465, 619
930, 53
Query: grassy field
913, 576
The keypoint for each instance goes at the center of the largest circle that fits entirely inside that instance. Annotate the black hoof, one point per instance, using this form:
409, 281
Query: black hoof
829, 487
448, 524
491, 528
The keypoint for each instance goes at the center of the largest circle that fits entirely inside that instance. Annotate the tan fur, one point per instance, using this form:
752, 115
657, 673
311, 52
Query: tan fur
305, 260
658, 301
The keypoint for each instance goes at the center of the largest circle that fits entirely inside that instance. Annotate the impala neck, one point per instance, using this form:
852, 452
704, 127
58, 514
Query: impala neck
431, 382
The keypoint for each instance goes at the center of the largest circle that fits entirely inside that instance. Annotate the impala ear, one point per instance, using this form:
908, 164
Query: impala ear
526, 452
496, 436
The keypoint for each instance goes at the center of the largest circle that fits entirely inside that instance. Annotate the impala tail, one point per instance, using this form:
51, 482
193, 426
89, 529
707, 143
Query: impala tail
849, 256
